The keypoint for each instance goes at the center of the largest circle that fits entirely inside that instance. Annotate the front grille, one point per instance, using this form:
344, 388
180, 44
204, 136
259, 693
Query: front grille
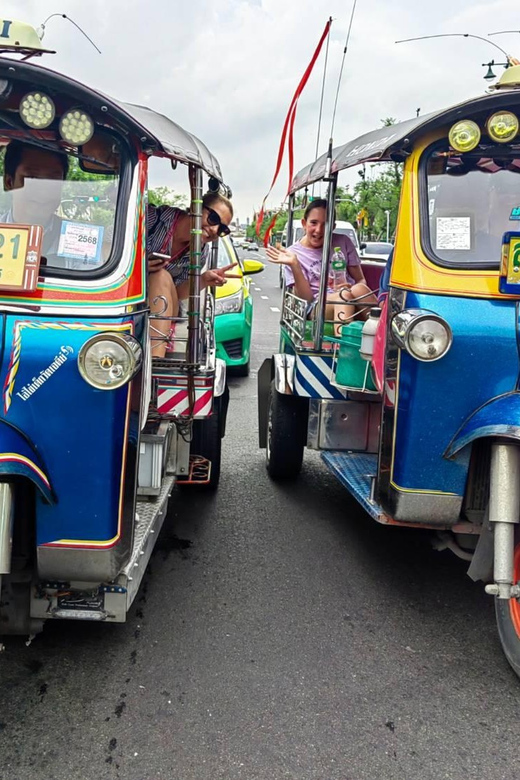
233, 348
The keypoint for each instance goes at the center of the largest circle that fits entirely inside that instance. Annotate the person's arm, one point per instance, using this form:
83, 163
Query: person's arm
353, 262
301, 285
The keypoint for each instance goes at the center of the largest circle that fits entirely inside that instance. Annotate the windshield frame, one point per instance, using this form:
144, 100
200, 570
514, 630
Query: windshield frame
424, 217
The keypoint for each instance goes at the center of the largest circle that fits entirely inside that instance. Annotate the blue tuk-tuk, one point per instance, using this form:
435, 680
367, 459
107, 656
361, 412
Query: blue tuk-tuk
94, 433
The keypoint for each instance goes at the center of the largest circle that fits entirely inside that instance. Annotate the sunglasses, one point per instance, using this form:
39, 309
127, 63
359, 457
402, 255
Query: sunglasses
214, 219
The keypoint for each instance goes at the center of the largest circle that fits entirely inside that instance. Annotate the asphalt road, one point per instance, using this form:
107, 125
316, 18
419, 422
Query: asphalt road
280, 633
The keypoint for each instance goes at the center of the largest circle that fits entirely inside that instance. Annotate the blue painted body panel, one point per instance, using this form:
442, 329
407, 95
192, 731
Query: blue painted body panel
18, 456
499, 417
80, 433
436, 398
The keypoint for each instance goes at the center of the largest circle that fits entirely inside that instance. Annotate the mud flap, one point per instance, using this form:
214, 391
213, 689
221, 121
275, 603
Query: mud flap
265, 377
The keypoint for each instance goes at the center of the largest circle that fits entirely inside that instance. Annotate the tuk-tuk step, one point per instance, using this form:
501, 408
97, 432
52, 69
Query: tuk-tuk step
357, 471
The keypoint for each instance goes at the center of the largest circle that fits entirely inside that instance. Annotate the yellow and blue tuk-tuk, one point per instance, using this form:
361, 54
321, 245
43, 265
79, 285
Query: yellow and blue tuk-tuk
425, 430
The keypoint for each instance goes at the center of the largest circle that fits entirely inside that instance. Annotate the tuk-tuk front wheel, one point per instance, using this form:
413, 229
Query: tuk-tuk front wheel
508, 620
286, 434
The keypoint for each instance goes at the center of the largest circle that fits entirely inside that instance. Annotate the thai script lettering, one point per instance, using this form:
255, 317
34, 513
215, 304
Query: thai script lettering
37, 381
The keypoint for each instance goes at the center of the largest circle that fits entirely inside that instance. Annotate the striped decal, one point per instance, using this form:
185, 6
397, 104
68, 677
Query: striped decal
13, 457
174, 401
312, 377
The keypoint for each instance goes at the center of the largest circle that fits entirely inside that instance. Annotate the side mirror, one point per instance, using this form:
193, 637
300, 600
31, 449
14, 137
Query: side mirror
252, 266
362, 246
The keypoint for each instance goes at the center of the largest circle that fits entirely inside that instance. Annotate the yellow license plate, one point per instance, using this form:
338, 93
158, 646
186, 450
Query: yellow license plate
513, 261
20, 247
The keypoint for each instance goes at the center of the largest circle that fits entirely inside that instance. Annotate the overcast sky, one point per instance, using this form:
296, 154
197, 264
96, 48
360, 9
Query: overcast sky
226, 70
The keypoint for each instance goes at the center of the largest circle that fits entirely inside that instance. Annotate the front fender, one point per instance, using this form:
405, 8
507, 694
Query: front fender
18, 457
498, 417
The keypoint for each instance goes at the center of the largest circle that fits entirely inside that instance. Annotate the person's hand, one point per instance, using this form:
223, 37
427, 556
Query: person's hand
156, 262
216, 277
281, 256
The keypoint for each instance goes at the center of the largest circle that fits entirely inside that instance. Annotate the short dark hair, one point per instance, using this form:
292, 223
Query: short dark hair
317, 203
14, 153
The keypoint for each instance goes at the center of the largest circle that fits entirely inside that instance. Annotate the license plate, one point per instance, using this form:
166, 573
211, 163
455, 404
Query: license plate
509, 281
20, 249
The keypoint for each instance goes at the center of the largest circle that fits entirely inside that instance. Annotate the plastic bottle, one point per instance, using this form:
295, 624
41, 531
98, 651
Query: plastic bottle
338, 269
368, 333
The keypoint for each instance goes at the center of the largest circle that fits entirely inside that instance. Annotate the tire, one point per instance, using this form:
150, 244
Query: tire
239, 371
287, 417
508, 620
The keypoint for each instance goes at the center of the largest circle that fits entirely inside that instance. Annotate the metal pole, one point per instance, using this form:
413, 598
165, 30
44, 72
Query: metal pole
387, 212
6, 526
327, 244
194, 341
290, 220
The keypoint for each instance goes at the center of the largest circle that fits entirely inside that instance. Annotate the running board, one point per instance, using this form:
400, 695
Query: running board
150, 516
357, 472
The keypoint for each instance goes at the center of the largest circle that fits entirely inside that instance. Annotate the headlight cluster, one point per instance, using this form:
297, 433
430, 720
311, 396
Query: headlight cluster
37, 110
423, 334
501, 127
231, 304
109, 360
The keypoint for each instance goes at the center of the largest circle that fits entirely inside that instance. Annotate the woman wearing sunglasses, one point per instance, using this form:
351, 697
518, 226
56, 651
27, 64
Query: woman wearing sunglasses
168, 243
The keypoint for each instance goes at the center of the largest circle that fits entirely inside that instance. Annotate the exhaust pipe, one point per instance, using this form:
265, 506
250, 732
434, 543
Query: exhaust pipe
6, 526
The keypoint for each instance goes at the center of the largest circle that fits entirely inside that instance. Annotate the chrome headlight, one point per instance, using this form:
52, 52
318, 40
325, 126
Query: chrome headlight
423, 334
109, 360
231, 304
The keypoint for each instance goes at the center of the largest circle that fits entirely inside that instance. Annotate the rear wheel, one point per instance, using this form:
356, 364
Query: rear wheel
207, 435
508, 620
286, 434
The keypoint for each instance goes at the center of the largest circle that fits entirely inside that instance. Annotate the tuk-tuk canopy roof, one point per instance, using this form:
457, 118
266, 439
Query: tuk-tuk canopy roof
172, 139
379, 145
156, 131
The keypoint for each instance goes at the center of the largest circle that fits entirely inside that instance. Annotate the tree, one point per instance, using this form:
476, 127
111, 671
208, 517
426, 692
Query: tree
164, 196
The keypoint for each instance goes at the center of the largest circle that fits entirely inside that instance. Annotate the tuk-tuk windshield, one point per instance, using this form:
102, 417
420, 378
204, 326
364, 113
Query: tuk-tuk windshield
472, 200
73, 196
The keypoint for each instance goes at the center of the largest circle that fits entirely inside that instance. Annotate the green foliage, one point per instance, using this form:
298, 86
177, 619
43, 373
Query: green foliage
164, 196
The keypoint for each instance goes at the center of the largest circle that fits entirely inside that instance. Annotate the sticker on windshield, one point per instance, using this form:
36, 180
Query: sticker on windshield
453, 233
81, 242
515, 213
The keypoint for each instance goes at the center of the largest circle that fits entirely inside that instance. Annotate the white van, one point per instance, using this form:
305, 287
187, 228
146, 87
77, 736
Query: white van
347, 229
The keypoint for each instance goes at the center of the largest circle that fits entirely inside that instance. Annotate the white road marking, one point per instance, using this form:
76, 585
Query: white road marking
274, 308
264, 297
258, 289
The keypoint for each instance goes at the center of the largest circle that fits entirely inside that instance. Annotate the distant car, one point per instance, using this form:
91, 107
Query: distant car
234, 310
376, 250
250, 247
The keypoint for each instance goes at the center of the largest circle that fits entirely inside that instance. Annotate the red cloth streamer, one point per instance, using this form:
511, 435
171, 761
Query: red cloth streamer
288, 128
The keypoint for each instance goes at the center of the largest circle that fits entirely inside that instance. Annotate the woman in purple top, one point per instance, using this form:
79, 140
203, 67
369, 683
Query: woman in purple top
303, 269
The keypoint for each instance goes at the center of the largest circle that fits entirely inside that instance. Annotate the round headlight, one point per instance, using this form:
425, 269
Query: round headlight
502, 126
76, 127
464, 136
429, 339
109, 360
422, 333
37, 110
